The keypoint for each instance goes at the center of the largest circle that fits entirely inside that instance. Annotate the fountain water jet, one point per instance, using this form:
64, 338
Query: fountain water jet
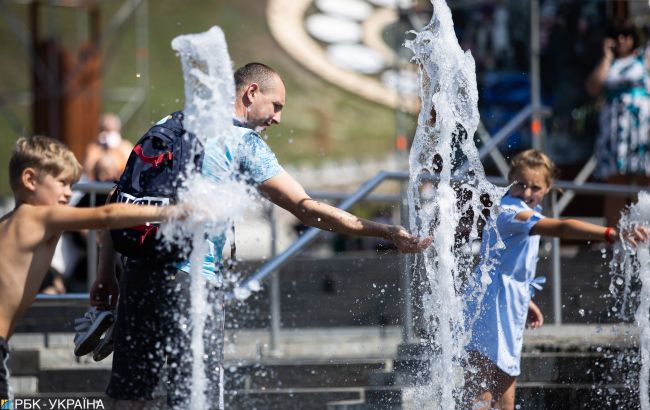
450, 199
630, 265
208, 113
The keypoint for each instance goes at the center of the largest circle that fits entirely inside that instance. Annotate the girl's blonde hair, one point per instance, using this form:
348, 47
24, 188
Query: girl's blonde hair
45, 155
533, 158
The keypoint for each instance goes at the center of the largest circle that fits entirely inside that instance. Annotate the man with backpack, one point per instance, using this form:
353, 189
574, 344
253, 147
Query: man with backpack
151, 324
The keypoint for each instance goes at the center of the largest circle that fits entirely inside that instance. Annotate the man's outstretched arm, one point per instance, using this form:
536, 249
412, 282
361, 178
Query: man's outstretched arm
283, 190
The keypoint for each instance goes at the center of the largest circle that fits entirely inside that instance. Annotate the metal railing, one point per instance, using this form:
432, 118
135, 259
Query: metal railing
310, 236
92, 189
363, 193
490, 147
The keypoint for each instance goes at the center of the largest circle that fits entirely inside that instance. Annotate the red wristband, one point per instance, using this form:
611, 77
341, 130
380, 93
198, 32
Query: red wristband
608, 235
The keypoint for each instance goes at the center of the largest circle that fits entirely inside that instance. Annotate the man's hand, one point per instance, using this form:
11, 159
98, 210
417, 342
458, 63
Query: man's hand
104, 293
405, 242
535, 318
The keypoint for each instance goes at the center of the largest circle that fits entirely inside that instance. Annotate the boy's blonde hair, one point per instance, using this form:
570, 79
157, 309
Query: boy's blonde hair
533, 158
45, 155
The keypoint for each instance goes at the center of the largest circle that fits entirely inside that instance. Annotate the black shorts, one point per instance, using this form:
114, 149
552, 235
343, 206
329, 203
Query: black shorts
153, 327
4, 370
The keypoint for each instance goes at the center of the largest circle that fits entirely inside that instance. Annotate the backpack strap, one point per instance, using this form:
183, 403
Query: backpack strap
146, 231
175, 123
155, 161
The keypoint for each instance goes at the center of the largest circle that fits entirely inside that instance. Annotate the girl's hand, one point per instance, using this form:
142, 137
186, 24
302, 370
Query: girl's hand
636, 235
535, 318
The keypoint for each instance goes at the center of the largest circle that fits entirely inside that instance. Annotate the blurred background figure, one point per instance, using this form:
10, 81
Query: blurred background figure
622, 78
109, 143
104, 162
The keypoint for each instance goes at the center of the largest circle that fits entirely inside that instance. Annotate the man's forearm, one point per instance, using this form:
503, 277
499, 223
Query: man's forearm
329, 218
106, 258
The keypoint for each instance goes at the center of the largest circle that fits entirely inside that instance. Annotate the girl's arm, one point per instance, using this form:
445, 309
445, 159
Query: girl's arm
572, 229
535, 318
575, 229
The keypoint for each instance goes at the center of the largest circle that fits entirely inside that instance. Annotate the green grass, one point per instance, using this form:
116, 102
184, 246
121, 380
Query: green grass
320, 121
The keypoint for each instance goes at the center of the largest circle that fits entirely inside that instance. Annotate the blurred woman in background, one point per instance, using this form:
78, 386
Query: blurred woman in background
623, 79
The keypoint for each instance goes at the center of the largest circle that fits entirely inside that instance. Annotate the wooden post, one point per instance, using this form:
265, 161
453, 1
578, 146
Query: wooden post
67, 85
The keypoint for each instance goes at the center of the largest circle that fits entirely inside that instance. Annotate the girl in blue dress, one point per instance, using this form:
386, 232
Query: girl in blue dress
498, 320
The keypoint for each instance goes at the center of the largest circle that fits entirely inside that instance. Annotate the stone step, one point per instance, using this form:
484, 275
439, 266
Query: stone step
24, 362
72, 380
24, 385
529, 396
576, 397
580, 368
561, 367
324, 292
303, 375
274, 399
242, 346
289, 399
247, 377
573, 367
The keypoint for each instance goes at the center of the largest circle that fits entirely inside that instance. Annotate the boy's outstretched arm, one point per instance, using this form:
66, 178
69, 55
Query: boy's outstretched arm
66, 218
286, 192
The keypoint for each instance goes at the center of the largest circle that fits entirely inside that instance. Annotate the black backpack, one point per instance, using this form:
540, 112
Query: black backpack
153, 175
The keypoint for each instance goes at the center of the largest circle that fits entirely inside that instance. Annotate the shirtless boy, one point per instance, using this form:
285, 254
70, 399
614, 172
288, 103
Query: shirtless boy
41, 171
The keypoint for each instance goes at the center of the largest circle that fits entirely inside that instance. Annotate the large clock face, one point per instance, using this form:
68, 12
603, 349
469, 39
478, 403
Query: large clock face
346, 42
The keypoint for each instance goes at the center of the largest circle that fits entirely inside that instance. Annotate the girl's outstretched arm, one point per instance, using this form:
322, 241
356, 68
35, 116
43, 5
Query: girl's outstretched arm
575, 229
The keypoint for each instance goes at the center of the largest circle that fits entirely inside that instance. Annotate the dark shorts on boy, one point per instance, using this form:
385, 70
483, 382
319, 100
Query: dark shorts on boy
153, 327
4, 370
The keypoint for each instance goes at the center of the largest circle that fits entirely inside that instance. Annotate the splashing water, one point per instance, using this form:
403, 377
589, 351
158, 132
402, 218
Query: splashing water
209, 109
628, 266
449, 198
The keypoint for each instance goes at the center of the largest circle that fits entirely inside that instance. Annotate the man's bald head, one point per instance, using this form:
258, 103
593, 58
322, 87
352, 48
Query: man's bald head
260, 96
258, 73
